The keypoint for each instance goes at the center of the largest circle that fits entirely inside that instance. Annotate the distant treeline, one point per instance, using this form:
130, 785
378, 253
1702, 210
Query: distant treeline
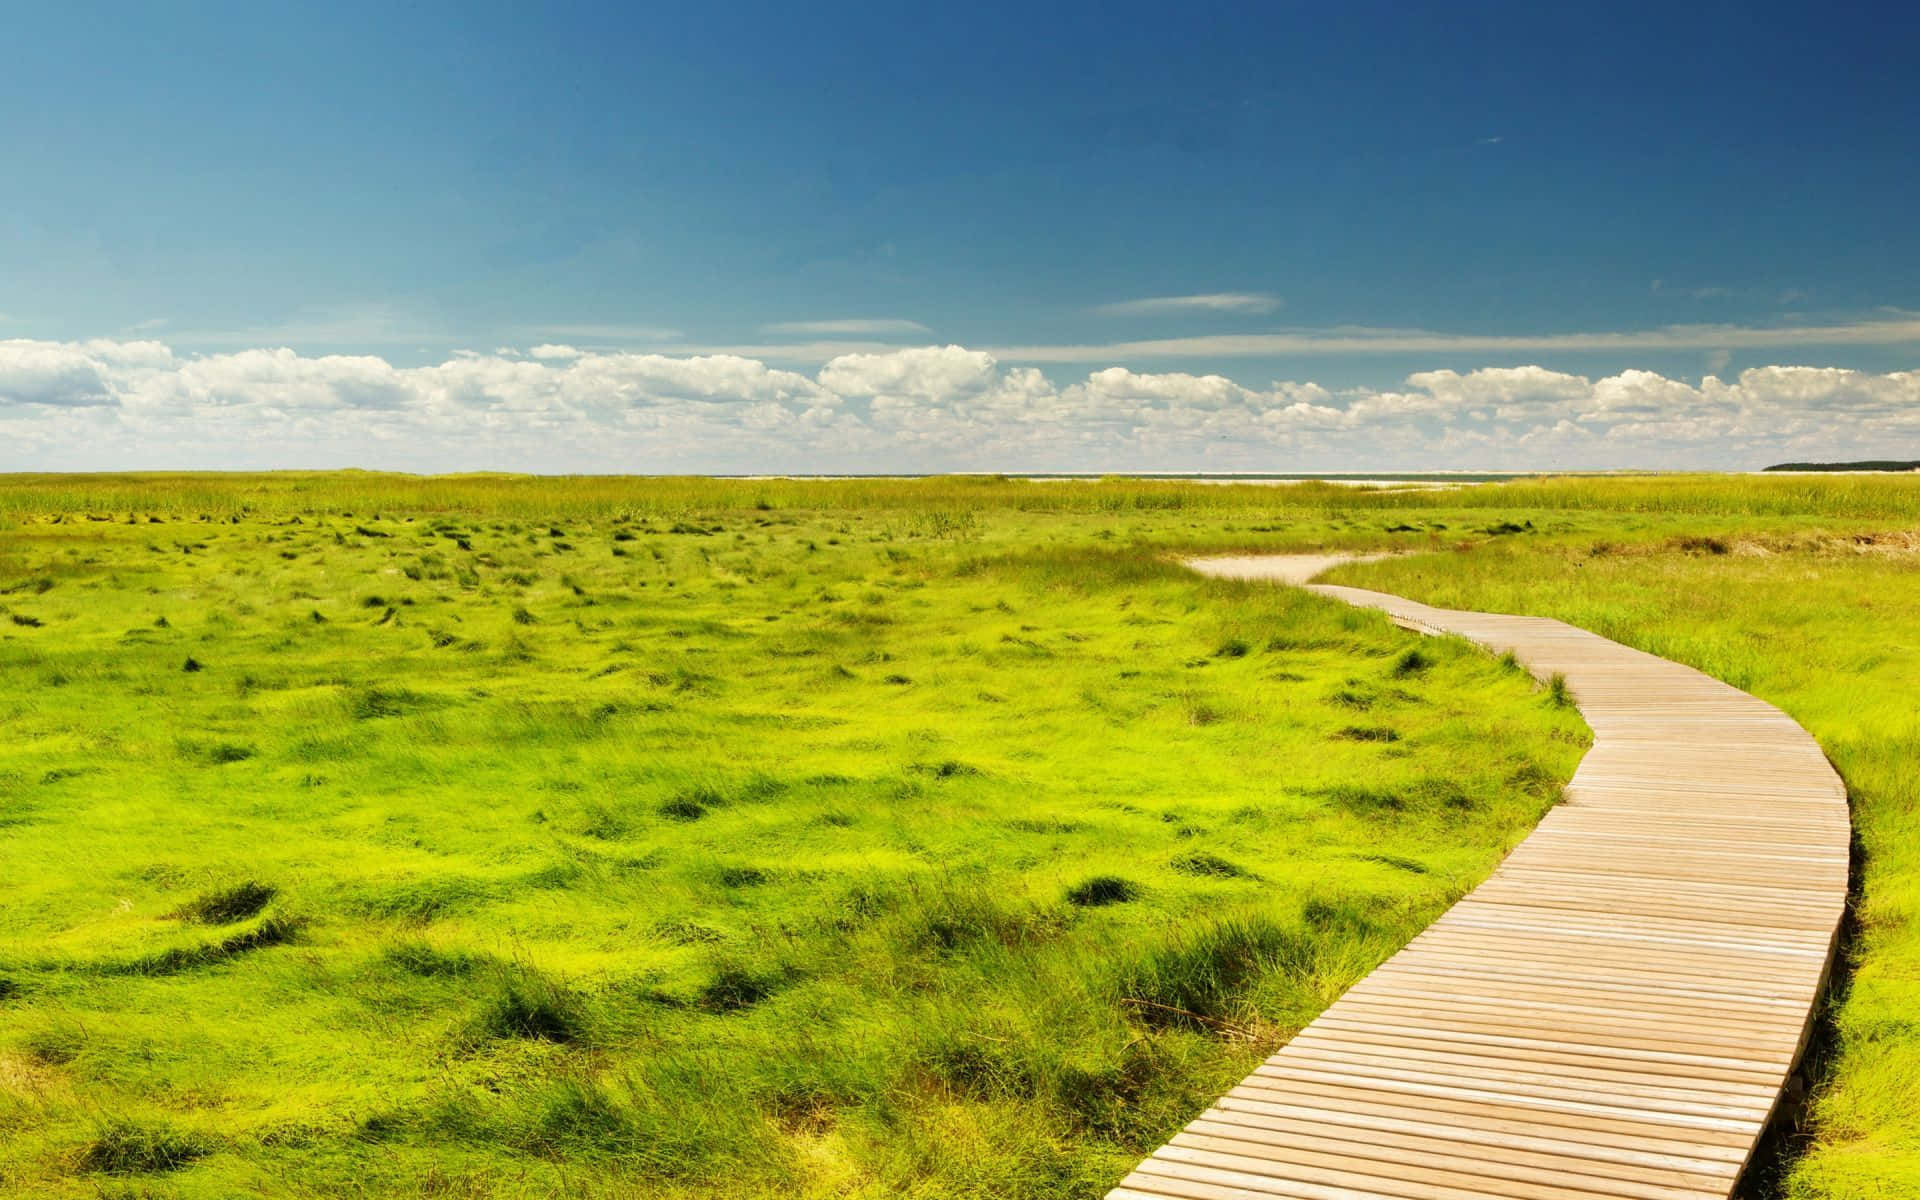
1875, 464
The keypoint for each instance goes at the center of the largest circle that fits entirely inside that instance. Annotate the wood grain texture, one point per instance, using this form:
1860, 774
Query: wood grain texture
1614, 1012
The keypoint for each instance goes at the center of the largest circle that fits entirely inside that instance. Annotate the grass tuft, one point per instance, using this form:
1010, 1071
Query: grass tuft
735, 987
124, 1147
1200, 978
1102, 890
1208, 866
274, 931
375, 703
227, 906
429, 961
683, 808
1368, 733
1557, 693
529, 1004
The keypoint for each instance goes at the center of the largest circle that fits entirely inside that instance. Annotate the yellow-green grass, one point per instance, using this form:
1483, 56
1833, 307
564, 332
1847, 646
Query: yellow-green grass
1801, 589
369, 835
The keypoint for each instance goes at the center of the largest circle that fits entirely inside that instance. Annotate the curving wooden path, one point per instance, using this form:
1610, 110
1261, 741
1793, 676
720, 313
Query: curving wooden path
1614, 1012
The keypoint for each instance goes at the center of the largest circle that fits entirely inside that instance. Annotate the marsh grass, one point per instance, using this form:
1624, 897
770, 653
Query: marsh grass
1207, 865
1201, 978
529, 1003
227, 905
122, 1147
1102, 890
1557, 693
875, 839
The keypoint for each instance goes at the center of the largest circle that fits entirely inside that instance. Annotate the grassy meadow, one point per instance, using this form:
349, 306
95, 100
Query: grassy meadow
493, 836
481, 837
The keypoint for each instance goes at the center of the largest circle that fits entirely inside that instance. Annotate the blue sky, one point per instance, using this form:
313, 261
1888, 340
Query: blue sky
1344, 195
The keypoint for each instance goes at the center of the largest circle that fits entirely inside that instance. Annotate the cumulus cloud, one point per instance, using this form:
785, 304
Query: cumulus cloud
1253, 303
75, 374
107, 404
929, 373
55, 375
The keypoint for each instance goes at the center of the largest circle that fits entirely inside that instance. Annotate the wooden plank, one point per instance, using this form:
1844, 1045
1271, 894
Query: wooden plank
1612, 1013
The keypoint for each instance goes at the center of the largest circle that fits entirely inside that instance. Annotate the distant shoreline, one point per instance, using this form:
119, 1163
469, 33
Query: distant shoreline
1867, 466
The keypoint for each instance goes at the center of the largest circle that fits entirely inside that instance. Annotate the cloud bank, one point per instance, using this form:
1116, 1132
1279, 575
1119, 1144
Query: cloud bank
108, 404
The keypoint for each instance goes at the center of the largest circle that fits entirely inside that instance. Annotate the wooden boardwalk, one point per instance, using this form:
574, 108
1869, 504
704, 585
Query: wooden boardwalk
1612, 1013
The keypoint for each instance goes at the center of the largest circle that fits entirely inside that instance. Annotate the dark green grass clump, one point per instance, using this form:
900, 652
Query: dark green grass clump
228, 905
274, 931
1368, 733
735, 987
683, 808
1102, 890
1557, 692
123, 1147
429, 962
529, 1004
1200, 978
1427, 797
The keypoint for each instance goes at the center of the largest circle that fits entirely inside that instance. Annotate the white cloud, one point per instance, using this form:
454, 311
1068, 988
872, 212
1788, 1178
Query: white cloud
855, 327
52, 374
275, 381
929, 373
1119, 387
1210, 302
551, 350
107, 404
653, 378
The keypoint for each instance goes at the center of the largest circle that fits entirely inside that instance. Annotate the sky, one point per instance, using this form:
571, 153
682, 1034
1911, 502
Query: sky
773, 237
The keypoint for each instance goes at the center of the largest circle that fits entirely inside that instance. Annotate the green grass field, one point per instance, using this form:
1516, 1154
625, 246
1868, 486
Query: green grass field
608, 838
492, 836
